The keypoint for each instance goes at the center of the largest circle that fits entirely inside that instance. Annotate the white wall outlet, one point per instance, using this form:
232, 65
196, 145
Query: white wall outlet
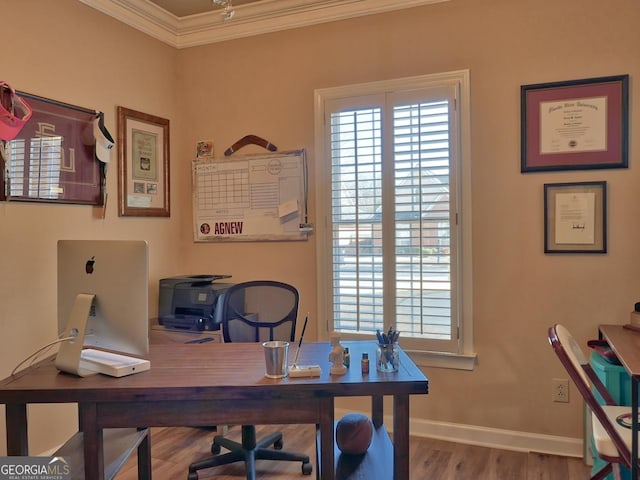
560, 390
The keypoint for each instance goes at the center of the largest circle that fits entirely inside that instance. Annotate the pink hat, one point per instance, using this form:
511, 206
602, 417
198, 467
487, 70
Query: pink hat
14, 112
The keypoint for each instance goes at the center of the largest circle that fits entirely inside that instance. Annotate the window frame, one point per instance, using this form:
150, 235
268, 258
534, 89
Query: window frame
464, 356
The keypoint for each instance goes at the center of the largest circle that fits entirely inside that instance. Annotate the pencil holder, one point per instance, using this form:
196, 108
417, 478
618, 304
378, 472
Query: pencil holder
387, 357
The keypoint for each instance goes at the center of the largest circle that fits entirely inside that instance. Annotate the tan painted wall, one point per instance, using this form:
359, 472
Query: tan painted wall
69, 52
264, 85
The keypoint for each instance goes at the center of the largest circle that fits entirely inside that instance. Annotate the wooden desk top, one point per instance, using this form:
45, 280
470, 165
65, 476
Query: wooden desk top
626, 344
198, 371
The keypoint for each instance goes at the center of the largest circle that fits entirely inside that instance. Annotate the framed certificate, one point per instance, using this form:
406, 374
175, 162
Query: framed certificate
575, 125
575, 217
143, 164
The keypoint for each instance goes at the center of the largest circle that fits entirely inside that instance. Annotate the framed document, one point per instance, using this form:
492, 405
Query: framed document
575, 217
143, 164
575, 125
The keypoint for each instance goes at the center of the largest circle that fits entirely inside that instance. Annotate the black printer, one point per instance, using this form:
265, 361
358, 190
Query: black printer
189, 302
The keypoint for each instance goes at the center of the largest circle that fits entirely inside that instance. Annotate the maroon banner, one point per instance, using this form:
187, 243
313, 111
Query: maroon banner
52, 159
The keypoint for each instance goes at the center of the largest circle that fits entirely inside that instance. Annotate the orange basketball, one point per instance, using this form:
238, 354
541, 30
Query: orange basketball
353, 433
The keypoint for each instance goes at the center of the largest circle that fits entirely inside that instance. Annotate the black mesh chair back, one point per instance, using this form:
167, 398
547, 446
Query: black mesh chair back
256, 311
259, 311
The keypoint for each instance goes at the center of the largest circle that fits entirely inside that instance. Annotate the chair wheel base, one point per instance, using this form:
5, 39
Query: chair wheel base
192, 476
307, 468
278, 444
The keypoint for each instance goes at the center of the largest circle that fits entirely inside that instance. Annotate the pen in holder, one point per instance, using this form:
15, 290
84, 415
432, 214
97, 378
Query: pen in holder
387, 355
303, 370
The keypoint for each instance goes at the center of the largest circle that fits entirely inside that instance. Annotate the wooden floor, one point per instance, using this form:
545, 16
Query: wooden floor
173, 449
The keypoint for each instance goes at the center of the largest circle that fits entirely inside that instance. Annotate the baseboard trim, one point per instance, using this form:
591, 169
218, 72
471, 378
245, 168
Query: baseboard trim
490, 437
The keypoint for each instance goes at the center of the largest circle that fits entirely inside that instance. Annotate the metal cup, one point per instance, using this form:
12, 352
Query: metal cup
275, 356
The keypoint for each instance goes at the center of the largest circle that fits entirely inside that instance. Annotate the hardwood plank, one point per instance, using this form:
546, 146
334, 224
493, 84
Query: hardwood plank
469, 462
173, 449
505, 464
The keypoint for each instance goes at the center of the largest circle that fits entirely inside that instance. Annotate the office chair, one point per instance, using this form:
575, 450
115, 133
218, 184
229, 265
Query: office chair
255, 311
612, 439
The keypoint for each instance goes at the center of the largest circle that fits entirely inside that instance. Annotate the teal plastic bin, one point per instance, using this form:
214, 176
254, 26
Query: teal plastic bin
616, 379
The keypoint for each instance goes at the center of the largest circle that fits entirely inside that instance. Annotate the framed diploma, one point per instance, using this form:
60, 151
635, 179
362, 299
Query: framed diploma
143, 164
575, 125
575, 217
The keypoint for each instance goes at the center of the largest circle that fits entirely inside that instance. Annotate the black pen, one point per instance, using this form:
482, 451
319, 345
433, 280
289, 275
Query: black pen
304, 327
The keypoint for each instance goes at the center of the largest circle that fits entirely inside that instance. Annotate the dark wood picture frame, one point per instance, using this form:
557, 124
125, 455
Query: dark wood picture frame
575, 217
52, 159
143, 164
575, 125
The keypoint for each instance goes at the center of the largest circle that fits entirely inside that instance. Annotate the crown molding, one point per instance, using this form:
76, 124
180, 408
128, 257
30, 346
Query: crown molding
249, 20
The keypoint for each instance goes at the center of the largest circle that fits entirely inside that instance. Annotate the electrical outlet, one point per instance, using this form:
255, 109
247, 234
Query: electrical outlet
560, 390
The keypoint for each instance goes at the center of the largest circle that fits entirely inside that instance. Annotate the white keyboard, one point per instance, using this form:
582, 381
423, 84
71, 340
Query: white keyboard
113, 364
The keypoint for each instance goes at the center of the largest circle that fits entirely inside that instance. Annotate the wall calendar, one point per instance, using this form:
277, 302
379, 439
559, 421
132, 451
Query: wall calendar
250, 198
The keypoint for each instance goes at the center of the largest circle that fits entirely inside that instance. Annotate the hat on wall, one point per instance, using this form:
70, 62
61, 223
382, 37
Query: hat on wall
14, 112
104, 140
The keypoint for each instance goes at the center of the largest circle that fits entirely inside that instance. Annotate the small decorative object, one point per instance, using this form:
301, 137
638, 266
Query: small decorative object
347, 357
336, 357
354, 432
387, 354
364, 363
204, 148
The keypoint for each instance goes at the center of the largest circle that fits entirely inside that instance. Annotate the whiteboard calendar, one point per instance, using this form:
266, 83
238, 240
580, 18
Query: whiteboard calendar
257, 197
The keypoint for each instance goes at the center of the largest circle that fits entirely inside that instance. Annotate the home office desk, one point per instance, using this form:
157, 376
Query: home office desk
210, 384
626, 344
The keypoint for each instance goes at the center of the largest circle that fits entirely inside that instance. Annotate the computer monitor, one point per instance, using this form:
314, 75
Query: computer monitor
103, 298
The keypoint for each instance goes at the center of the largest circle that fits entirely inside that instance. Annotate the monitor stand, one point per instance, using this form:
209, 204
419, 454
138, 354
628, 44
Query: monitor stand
73, 358
68, 358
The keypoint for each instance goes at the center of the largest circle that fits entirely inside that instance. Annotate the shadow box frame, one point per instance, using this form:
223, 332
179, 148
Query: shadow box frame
575, 125
62, 134
577, 217
143, 164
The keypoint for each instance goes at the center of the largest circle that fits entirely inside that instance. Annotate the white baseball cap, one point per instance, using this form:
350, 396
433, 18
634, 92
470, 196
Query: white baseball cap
104, 140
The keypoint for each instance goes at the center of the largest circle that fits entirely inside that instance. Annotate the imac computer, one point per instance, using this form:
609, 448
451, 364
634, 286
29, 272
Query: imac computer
103, 303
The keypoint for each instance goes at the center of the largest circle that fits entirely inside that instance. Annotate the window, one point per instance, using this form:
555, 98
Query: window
393, 206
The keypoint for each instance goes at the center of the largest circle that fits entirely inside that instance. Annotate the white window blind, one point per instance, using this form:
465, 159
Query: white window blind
393, 209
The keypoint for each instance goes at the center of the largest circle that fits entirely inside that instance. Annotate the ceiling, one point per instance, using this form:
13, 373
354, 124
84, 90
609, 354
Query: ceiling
184, 8
189, 23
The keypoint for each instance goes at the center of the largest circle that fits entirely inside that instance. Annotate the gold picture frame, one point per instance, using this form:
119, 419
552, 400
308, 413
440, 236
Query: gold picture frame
143, 164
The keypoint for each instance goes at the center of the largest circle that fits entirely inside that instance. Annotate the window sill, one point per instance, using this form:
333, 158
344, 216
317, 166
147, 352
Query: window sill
457, 361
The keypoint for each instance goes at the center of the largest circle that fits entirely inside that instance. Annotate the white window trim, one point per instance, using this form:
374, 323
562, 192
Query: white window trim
466, 359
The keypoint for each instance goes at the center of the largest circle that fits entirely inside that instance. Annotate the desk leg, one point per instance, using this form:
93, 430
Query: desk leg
634, 426
93, 442
144, 457
377, 410
17, 437
400, 437
327, 462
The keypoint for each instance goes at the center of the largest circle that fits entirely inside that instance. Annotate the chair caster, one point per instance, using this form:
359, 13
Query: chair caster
215, 449
307, 468
192, 476
278, 444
